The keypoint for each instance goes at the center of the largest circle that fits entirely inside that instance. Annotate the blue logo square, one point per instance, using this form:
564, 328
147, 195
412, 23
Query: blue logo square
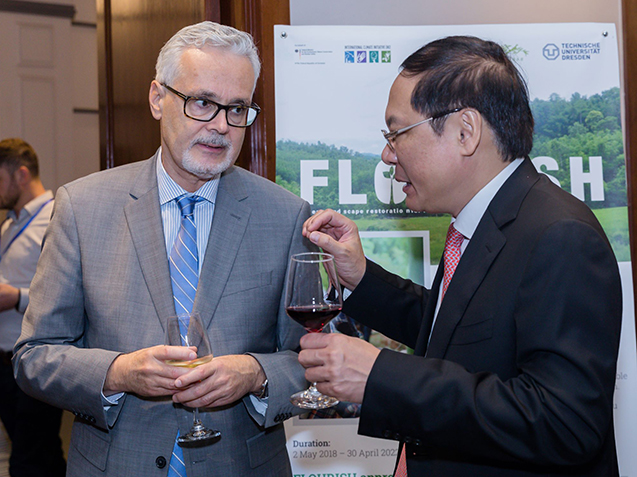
349, 56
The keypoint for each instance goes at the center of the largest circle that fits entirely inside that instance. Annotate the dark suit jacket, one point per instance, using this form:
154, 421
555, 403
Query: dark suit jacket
519, 374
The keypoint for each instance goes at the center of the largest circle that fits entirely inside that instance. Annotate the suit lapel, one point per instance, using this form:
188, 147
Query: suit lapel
485, 245
143, 215
474, 265
430, 310
228, 228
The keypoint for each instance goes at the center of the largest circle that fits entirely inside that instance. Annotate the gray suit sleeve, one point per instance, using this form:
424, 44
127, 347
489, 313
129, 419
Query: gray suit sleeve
52, 362
284, 373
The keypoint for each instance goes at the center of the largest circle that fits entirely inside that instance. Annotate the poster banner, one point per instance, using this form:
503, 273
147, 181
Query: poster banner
332, 85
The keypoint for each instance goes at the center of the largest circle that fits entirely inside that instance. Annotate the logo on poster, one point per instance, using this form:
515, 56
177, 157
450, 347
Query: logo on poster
571, 51
551, 52
367, 54
306, 55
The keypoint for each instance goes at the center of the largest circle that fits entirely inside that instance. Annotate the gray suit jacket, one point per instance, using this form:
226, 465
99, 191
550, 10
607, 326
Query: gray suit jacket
102, 288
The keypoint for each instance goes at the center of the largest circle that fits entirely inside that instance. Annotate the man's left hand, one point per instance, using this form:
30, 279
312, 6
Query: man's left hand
9, 296
219, 382
339, 364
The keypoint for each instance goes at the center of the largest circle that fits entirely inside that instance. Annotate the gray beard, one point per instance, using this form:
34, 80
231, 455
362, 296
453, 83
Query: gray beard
206, 171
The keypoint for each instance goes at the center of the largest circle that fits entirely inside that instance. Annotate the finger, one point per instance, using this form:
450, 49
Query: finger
191, 393
316, 340
317, 374
207, 400
314, 222
196, 375
154, 386
166, 386
204, 394
321, 239
176, 353
310, 358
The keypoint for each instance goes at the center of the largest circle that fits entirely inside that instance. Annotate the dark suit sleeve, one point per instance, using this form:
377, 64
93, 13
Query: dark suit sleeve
557, 410
398, 297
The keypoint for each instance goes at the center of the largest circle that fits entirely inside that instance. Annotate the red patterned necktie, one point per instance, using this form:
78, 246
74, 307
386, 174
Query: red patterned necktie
451, 257
401, 468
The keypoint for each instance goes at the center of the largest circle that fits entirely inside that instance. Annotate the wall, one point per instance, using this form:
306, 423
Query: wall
450, 12
49, 84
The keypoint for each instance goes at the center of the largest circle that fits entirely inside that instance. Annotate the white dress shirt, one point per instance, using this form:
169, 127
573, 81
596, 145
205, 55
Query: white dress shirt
470, 216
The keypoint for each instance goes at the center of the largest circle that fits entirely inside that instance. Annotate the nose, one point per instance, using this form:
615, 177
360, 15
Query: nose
388, 156
219, 123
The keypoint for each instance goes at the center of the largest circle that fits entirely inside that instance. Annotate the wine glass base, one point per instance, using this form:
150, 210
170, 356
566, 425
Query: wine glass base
198, 433
312, 400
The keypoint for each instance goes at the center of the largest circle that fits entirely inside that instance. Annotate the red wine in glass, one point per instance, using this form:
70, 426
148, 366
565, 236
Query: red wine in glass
312, 298
313, 318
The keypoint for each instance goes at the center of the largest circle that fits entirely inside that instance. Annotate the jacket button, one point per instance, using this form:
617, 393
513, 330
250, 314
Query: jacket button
160, 462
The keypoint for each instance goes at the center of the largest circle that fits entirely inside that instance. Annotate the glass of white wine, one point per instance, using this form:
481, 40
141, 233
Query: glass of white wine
188, 330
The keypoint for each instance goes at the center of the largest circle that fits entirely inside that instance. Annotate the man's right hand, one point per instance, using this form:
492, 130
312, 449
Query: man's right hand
338, 236
145, 372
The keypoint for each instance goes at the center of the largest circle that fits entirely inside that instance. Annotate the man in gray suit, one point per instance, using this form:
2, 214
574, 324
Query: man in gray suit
92, 336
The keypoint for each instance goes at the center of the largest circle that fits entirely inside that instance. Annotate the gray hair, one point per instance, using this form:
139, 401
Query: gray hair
199, 35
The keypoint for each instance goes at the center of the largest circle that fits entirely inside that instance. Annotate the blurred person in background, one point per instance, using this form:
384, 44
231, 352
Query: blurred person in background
32, 426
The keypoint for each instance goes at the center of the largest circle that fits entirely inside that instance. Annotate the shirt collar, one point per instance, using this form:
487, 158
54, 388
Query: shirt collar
169, 190
31, 207
467, 221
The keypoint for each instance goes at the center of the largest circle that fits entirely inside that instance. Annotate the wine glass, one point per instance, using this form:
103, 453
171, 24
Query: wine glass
313, 297
188, 330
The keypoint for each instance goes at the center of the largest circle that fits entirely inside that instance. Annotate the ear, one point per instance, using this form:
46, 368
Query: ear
156, 97
22, 176
470, 133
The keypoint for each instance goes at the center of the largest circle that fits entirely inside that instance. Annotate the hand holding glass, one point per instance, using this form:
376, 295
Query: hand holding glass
313, 297
188, 330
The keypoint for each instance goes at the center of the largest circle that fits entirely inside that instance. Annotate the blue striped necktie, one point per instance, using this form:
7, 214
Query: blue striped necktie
184, 276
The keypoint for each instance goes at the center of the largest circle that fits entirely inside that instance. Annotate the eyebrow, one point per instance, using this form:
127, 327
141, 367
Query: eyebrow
214, 97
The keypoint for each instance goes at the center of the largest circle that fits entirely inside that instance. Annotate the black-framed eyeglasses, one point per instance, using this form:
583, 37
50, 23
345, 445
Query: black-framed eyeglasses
390, 136
205, 110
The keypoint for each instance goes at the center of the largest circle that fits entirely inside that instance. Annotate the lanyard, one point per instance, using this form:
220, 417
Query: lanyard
25, 226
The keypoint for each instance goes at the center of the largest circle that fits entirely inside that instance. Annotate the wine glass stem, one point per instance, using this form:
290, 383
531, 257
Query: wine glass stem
196, 415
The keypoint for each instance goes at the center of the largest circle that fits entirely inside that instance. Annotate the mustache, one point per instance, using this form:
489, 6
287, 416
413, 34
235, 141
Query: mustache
212, 140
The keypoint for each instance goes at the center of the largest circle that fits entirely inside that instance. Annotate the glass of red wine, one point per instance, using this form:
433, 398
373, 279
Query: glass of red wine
313, 297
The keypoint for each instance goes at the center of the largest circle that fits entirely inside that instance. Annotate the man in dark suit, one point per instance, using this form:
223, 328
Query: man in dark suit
515, 353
